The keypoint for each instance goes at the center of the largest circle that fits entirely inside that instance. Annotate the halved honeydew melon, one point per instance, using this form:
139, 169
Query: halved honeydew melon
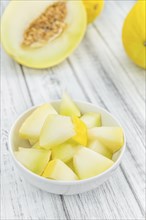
21, 22
58, 170
96, 146
35, 160
92, 119
56, 130
31, 127
110, 137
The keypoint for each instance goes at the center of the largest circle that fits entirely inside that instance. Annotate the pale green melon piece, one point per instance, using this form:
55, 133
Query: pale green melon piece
57, 129
33, 159
31, 127
96, 146
33, 141
110, 137
70, 164
58, 170
92, 119
37, 146
65, 151
68, 107
88, 163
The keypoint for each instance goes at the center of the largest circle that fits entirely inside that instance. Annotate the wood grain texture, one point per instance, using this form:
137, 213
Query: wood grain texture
99, 71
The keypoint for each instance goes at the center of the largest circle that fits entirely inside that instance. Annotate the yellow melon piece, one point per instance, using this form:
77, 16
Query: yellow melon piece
31, 127
111, 137
58, 170
65, 151
88, 163
96, 146
56, 130
40, 34
92, 119
35, 160
81, 131
68, 107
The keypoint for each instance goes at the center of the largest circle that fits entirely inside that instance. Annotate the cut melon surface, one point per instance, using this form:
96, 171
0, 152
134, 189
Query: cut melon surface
33, 141
37, 146
64, 152
88, 163
110, 137
70, 165
58, 170
56, 130
31, 127
46, 34
33, 159
68, 107
96, 146
92, 119
81, 131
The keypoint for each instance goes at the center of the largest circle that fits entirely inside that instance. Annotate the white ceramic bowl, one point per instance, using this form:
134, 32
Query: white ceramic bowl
64, 187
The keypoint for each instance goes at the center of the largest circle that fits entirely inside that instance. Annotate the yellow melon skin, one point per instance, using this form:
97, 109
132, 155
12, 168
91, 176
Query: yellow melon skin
93, 9
17, 17
134, 34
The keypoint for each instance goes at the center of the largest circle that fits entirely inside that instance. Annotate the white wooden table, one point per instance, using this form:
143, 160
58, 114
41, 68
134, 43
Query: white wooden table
100, 72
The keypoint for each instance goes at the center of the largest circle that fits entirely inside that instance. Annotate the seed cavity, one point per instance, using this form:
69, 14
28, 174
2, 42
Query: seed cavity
47, 27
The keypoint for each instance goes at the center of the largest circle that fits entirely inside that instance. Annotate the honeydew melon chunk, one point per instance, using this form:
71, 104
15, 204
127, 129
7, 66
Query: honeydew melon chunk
96, 146
68, 107
58, 170
52, 52
31, 127
110, 137
56, 130
81, 131
92, 119
33, 141
37, 146
64, 152
33, 159
70, 164
88, 163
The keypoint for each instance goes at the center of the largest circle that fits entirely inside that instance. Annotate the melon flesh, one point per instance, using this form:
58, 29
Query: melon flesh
92, 119
33, 141
58, 170
68, 107
110, 137
56, 130
81, 131
96, 146
20, 15
33, 159
64, 152
88, 163
31, 127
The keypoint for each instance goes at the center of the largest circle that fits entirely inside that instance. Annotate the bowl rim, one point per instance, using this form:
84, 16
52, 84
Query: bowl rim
64, 182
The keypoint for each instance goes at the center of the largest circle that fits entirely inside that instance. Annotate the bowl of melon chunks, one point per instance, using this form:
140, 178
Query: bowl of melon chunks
65, 146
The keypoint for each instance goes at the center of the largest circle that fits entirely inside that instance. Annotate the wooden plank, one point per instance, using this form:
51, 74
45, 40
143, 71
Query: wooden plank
17, 195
